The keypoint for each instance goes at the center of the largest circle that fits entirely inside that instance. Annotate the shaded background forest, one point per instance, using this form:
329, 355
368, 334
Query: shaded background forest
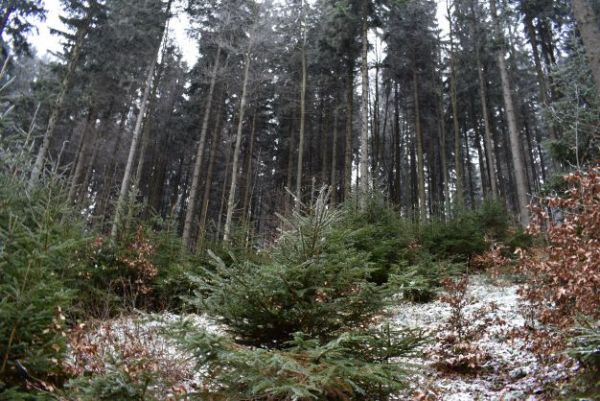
364, 96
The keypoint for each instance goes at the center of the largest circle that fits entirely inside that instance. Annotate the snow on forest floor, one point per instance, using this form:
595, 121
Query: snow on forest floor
510, 373
507, 375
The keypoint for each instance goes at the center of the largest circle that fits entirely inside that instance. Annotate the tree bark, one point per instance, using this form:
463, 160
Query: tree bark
348, 147
290, 171
323, 140
541, 76
420, 157
123, 193
90, 127
455, 122
224, 190
364, 122
587, 23
334, 184
511, 117
443, 161
397, 165
215, 141
301, 132
236, 153
489, 146
189, 214
59, 103
248, 179
376, 148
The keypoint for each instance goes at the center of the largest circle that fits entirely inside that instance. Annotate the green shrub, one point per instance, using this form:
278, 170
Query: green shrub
300, 323
465, 234
493, 219
14, 394
457, 239
310, 285
381, 233
353, 366
421, 281
39, 242
519, 239
146, 269
113, 385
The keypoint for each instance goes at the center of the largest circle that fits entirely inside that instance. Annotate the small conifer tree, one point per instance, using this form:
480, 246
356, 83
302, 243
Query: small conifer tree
39, 238
301, 325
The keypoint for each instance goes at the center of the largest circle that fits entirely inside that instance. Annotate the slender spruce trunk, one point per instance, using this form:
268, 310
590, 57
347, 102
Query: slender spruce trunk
364, 122
87, 138
123, 193
489, 146
589, 27
60, 100
248, 179
127, 175
511, 117
455, 120
334, 184
236, 151
348, 145
420, 153
301, 132
215, 141
189, 214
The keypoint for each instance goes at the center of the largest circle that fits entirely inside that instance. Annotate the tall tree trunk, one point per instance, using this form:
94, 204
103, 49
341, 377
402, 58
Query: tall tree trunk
301, 132
589, 27
482, 161
397, 148
443, 161
376, 151
215, 142
148, 126
189, 214
469, 172
510, 176
123, 193
511, 117
420, 153
541, 76
489, 146
455, 122
324, 129
110, 178
89, 171
334, 184
125, 183
414, 178
60, 100
90, 129
348, 147
364, 129
534, 177
290, 171
236, 153
248, 179
226, 177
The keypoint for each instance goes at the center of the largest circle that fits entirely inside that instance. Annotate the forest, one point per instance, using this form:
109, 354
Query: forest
336, 200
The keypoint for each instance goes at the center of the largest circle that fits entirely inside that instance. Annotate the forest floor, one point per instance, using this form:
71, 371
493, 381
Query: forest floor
508, 371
